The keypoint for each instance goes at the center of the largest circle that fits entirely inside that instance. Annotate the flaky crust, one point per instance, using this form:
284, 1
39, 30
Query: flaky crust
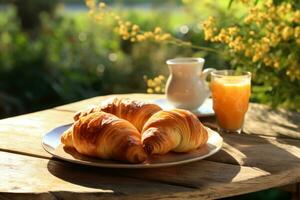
175, 130
134, 111
106, 136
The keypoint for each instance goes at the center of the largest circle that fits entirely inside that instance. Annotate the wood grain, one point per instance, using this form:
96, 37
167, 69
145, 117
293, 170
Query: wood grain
39, 178
203, 178
43, 176
23, 134
266, 153
26, 177
262, 120
265, 156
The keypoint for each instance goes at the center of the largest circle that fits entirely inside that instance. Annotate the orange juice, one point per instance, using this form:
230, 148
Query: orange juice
230, 100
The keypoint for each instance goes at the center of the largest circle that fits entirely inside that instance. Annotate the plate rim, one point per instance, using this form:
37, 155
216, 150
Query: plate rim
47, 148
198, 114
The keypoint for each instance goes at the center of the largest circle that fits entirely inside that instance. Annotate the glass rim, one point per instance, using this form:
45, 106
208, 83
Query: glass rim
230, 72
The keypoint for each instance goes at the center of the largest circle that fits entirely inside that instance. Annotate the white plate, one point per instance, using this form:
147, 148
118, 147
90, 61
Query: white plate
51, 143
205, 110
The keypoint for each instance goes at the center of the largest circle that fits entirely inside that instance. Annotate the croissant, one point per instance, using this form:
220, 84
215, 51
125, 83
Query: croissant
134, 111
105, 136
175, 130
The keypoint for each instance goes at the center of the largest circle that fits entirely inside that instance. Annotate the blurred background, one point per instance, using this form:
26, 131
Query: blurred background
53, 53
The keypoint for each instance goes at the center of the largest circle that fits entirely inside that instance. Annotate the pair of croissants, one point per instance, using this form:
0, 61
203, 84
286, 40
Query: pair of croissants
129, 130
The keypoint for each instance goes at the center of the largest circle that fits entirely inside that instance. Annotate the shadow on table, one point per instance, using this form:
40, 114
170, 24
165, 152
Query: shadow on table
273, 155
192, 175
268, 154
276, 122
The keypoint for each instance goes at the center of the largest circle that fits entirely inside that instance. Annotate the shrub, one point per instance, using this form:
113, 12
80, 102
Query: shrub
70, 58
262, 38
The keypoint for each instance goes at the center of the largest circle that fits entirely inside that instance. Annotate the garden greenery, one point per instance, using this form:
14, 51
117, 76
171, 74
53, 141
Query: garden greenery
265, 40
68, 58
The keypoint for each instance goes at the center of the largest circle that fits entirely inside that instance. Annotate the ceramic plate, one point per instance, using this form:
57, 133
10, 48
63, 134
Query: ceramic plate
205, 110
51, 143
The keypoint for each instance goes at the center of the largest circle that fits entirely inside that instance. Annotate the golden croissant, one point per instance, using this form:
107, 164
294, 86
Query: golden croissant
175, 130
136, 112
105, 136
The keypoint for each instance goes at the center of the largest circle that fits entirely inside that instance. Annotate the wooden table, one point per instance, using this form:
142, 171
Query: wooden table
267, 155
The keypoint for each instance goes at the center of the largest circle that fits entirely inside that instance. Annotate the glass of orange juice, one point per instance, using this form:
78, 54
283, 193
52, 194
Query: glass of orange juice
230, 93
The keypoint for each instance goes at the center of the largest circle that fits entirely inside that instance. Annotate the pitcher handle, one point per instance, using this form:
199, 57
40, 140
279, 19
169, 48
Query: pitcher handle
206, 72
204, 76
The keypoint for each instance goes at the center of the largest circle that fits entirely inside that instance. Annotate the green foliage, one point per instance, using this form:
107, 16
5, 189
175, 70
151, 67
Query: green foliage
28, 10
275, 67
63, 62
71, 58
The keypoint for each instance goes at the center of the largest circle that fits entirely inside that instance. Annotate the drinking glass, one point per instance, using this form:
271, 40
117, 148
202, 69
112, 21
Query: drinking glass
230, 93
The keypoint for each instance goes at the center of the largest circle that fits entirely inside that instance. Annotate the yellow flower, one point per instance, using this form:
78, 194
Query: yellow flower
161, 77
208, 27
276, 64
287, 32
274, 39
150, 83
297, 32
150, 91
296, 17
157, 80
140, 38
293, 72
232, 30
255, 58
284, 8
248, 53
91, 13
102, 5
250, 40
267, 60
208, 34
128, 23
148, 34
90, 3
265, 48
268, 4
157, 89
166, 36
157, 30
135, 28
133, 33
157, 38
265, 40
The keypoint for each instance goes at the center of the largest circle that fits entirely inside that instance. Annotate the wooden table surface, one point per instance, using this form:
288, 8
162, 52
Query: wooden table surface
267, 155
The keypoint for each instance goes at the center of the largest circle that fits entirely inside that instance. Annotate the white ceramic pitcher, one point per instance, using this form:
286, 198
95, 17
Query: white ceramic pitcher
186, 86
